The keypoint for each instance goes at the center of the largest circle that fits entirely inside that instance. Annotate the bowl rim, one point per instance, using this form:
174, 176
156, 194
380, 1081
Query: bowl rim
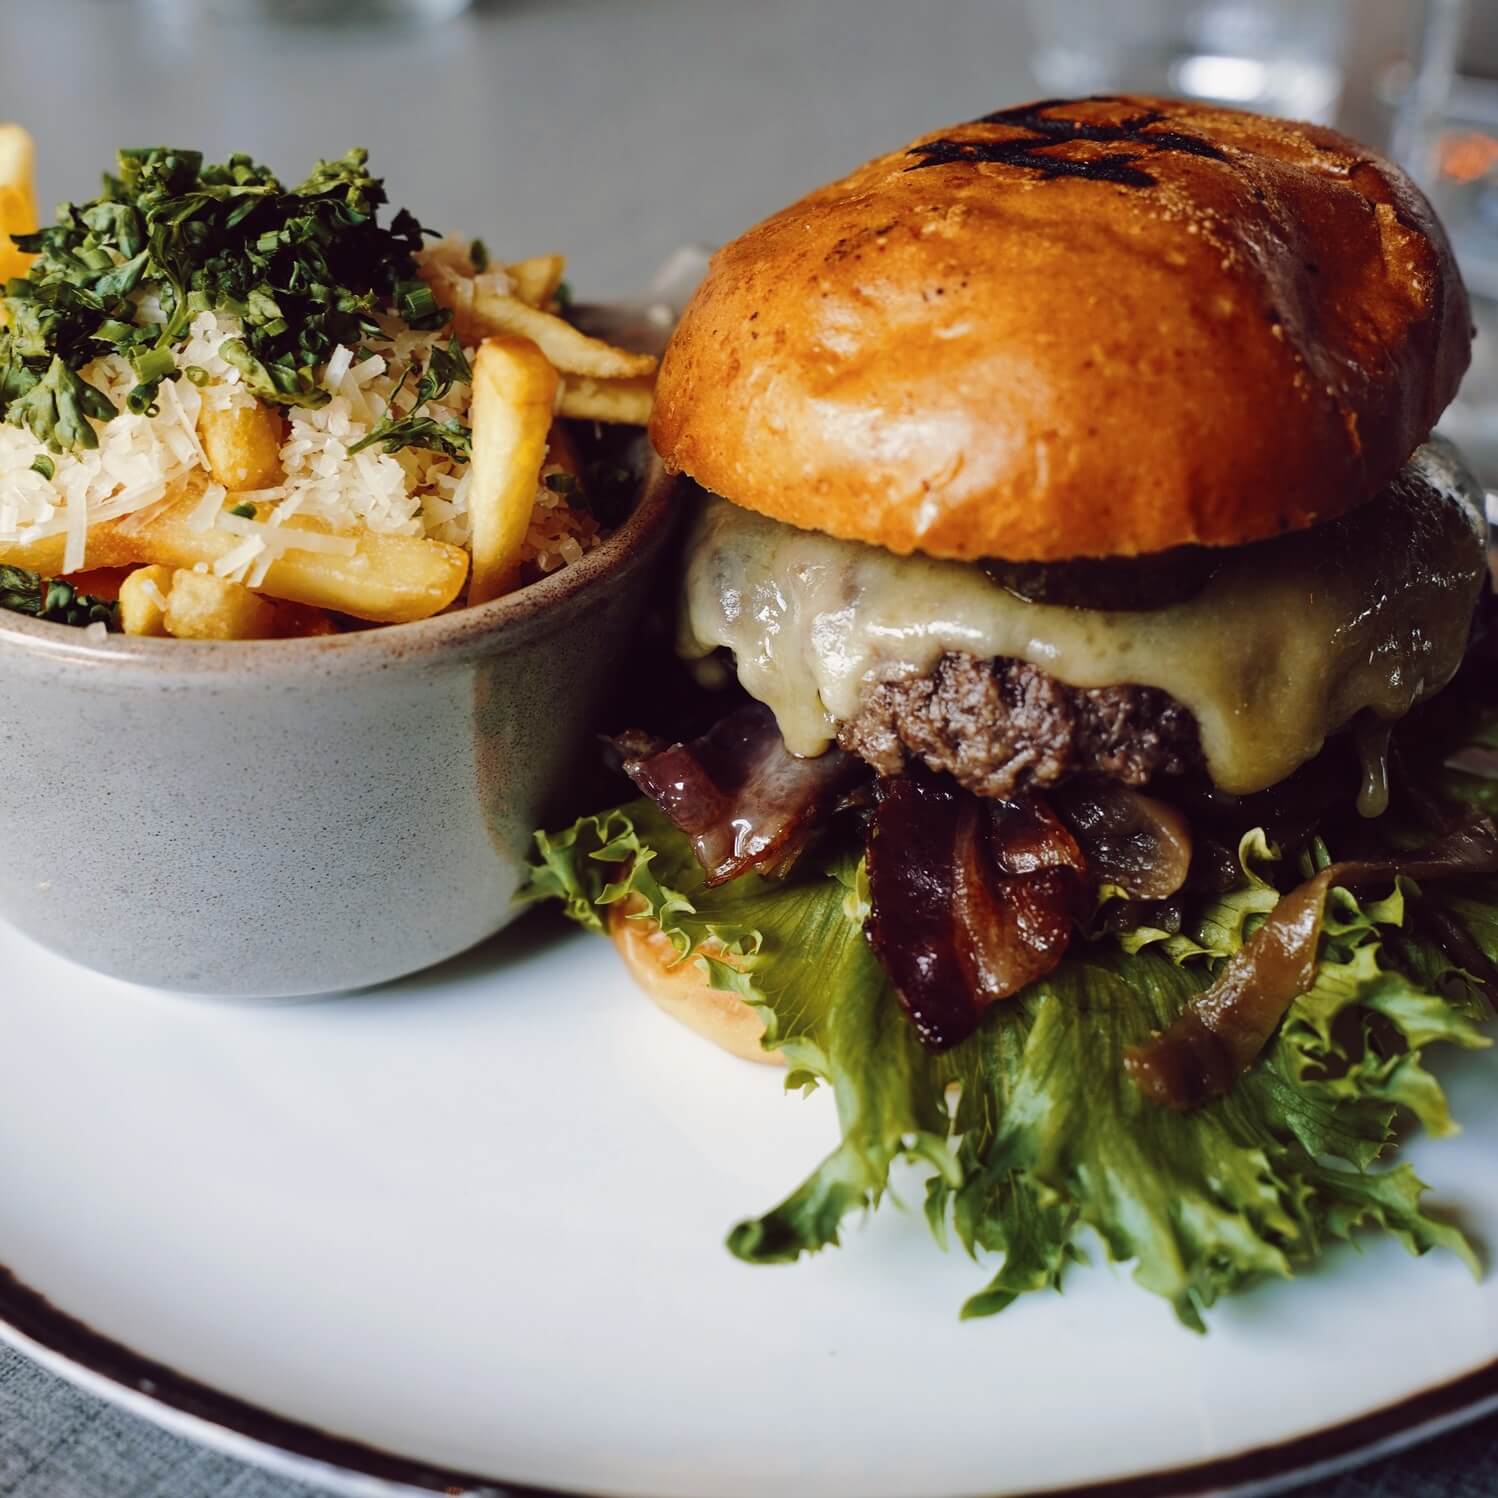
461, 632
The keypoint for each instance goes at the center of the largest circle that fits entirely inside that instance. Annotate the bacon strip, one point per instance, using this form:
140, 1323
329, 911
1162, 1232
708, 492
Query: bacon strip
1216, 1037
970, 900
745, 801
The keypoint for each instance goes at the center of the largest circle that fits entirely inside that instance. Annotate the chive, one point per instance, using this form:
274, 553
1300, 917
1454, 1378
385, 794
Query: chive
196, 374
245, 511
417, 302
562, 296
478, 252
559, 483
152, 365
43, 465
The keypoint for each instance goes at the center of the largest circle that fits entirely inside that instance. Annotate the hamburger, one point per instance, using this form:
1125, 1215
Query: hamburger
1096, 795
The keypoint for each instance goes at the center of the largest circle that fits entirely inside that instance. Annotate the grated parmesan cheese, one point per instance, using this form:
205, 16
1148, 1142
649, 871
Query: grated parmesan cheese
143, 459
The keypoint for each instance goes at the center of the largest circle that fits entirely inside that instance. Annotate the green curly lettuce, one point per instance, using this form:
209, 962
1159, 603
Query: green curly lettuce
1031, 1131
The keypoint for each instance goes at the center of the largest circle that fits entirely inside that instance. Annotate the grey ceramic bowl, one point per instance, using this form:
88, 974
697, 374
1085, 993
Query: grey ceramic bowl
303, 816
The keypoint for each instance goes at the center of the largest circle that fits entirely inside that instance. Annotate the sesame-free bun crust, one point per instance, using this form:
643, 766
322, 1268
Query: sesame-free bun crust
1092, 328
680, 987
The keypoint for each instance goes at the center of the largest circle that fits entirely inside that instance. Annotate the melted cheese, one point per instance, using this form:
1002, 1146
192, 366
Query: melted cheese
1288, 641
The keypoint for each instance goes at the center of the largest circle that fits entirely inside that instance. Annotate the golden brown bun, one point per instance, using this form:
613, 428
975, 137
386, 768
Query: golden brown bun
682, 989
1231, 327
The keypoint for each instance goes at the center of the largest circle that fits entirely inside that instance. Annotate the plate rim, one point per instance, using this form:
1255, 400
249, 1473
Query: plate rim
77, 1352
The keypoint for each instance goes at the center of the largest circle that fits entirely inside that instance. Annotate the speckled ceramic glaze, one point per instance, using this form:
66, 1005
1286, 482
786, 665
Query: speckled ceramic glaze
305, 816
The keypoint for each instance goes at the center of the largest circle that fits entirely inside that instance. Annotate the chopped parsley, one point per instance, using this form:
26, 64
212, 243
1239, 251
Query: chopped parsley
304, 269
245, 511
395, 432
446, 367
23, 592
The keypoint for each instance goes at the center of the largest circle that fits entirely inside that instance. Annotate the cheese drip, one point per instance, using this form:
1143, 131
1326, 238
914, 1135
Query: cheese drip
1288, 641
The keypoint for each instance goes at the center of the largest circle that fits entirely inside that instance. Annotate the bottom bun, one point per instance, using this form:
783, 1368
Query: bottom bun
680, 987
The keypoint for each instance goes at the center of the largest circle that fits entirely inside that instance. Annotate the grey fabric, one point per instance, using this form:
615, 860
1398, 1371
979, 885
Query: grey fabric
57, 1442
683, 121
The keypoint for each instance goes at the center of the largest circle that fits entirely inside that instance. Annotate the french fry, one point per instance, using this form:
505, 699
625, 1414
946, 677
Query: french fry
201, 606
626, 402
386, 579
17, 198
536, 280
143, 601
514, 395
44, 555
243, 444
568, 349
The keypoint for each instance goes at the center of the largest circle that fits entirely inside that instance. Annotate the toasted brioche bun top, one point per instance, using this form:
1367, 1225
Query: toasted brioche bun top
1092, 328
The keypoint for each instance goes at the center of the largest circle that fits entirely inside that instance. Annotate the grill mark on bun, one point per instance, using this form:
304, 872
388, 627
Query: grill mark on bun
1048, 131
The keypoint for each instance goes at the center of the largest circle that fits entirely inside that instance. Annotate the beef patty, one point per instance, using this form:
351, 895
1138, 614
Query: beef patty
1001, 727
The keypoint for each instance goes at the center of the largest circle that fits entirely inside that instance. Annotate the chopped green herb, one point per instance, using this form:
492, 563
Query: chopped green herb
196, 374
43, 465
450, 437
245, 511
562, 296
23, 592
304, 269
446, 367
55, 407
559, 483
478, 253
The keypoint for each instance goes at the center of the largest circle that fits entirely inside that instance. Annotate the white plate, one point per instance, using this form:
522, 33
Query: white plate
472, 1224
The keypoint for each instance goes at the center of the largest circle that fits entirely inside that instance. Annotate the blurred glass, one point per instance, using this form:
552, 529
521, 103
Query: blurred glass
1447, 136
342, 12
1276, 56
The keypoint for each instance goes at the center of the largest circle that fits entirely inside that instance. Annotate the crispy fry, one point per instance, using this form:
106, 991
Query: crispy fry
389, 579
106, 548
386, 579
624, 401
243, 445
201, 606
143, 601
514, 393
567, 348
17, 198
536, 280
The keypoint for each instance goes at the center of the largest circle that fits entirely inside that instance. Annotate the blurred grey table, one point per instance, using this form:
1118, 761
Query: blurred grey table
614, 131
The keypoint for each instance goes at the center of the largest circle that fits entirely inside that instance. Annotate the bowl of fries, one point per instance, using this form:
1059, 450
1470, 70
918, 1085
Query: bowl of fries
321, 550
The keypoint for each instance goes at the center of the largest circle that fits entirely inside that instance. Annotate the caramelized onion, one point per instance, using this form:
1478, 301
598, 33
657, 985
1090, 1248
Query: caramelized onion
970, 900
744, 800
1475, 759
1218, 1035
1131, 840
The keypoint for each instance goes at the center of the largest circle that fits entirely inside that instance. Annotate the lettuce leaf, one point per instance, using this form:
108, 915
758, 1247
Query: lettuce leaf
1031, 1131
